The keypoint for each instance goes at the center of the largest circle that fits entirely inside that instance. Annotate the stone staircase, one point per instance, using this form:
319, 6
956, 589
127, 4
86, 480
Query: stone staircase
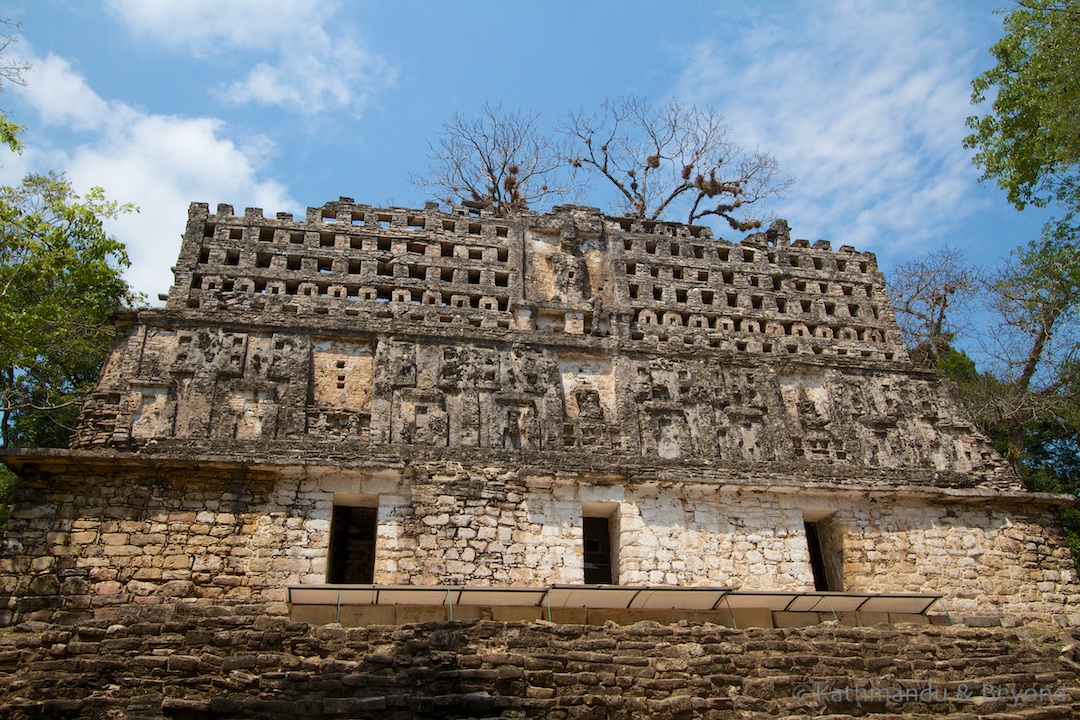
199, 662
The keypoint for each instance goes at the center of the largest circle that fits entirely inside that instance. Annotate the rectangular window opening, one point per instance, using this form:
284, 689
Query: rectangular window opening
824, 560
596, 536
352, 545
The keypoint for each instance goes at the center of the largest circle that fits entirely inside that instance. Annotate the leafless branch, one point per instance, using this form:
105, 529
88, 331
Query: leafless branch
934, 295
12, 71
674, 155
497, 158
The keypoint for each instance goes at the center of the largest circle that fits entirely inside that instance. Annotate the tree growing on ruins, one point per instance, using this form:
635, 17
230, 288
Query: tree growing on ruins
500, 159
1027, 397
672, 158
934, 295
1029, 143
1035, 346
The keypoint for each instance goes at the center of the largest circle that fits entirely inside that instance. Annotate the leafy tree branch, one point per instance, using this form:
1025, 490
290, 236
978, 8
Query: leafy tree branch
60, 280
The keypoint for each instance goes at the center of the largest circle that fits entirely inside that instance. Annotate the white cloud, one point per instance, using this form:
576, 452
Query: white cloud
309, 69
63, 97
208, 27
865, 104
158, 162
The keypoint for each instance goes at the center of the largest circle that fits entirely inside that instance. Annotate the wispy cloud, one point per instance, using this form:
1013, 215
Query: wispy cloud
863, 102
313, 63
158, 162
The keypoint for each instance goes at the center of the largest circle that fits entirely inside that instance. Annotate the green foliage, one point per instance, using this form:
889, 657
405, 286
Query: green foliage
9, 134
7, 494
60, 280
958, 367
1030, 145
1030, 141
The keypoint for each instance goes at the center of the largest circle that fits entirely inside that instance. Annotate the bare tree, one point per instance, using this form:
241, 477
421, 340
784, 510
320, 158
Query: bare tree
12, 71
1035, 345
672, 157
933, 295
500, 159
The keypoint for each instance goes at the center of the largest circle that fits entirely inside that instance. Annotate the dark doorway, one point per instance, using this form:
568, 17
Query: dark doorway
352, 545
596, 532
817, 558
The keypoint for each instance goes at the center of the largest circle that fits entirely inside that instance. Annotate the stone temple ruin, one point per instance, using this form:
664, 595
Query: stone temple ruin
381, 415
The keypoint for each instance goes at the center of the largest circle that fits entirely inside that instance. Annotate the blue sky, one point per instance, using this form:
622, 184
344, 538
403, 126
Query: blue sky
282, 104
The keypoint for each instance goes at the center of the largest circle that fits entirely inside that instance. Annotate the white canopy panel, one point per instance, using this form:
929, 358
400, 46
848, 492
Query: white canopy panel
610, 597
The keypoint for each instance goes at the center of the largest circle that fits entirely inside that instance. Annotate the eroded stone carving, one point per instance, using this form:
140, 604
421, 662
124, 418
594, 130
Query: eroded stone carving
483, 384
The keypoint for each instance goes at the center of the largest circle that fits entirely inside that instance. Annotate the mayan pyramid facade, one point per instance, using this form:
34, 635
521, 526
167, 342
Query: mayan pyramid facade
393, 397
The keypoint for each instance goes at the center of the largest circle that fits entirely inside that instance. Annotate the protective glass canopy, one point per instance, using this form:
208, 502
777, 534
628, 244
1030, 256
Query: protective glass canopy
610, 597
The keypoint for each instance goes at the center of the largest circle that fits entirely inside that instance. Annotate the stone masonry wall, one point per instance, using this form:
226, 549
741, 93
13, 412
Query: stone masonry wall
485, 384
80, 544
172, 378
189, 662
565, 332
